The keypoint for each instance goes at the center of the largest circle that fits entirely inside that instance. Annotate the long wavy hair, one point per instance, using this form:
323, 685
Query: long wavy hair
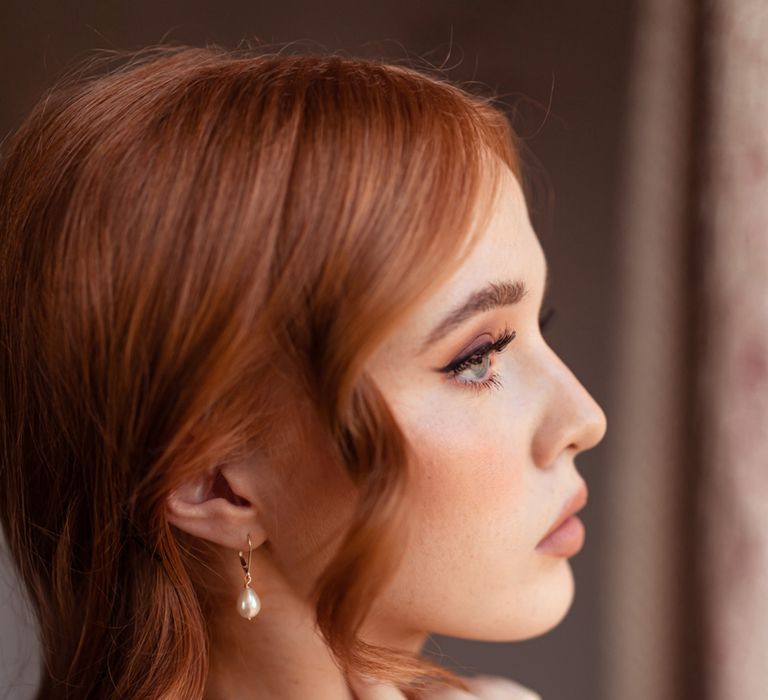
195, 245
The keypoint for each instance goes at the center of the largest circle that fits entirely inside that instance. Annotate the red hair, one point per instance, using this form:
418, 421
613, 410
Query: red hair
193, 245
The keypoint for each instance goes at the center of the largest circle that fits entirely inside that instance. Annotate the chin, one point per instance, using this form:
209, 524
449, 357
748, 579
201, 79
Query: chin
531, 608
547, 603
523, 614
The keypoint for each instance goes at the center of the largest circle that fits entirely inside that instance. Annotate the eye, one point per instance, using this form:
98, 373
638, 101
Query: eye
477, 363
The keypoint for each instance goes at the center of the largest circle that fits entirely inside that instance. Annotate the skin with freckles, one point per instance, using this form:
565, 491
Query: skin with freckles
495, 465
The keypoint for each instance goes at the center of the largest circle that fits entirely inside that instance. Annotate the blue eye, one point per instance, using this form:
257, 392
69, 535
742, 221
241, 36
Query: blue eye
493, 380
478, 360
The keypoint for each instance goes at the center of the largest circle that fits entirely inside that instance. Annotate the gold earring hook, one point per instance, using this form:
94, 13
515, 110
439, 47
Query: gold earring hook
246, 565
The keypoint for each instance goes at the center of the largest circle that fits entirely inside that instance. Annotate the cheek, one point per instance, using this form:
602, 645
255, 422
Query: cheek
469, 481
470, 567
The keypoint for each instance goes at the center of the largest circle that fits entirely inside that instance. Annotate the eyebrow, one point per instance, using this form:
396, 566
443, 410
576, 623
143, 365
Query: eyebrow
493, 295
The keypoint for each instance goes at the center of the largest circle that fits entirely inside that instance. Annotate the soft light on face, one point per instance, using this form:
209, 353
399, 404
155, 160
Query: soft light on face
495, 440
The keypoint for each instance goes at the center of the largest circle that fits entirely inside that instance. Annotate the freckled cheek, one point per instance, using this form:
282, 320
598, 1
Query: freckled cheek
471, 456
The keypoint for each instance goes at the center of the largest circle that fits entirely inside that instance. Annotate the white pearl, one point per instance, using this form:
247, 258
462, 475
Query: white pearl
248, 603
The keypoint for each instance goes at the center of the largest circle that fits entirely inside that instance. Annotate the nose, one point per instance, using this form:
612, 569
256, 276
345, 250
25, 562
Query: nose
573, 421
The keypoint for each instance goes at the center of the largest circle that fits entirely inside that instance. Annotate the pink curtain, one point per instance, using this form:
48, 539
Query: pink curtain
733, 511
686, 569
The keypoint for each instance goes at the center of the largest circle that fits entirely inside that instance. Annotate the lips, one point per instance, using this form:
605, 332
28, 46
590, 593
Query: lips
574, 504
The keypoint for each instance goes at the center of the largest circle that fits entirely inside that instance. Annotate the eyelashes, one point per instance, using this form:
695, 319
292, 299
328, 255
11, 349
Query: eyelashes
496, 345
479, 357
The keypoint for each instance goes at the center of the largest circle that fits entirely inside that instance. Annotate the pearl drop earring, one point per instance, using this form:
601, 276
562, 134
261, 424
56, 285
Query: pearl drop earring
248, 603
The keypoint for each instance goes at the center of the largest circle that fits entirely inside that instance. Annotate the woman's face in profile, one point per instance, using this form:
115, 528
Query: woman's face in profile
495, 443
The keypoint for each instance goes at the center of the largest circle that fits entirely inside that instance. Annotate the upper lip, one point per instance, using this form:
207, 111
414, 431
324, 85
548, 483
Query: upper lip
574, 504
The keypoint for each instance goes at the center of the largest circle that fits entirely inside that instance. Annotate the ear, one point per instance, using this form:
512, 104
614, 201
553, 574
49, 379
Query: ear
213, 506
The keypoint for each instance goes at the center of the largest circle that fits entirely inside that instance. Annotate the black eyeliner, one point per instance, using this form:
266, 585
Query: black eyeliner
497, 345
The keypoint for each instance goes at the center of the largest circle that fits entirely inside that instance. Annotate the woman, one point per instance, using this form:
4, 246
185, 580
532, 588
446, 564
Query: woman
275, 400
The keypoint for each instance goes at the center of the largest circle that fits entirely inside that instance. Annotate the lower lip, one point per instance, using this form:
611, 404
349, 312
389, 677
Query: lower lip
566, 540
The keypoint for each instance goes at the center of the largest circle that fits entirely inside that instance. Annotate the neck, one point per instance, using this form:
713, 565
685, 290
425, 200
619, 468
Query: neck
280, 653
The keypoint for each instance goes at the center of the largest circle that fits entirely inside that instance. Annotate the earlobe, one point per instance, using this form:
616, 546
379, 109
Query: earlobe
207, 506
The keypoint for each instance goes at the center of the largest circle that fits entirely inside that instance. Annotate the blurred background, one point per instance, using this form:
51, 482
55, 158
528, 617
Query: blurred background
646, 123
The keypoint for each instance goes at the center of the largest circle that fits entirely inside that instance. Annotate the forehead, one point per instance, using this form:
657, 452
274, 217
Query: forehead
507, 249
